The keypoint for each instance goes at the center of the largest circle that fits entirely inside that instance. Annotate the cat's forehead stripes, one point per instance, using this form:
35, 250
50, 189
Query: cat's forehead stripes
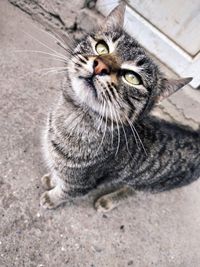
111, 40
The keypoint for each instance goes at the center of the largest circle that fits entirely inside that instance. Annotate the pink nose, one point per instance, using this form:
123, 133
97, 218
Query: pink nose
100, 68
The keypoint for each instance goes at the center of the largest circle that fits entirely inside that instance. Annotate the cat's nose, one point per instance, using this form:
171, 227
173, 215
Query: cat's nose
100, 68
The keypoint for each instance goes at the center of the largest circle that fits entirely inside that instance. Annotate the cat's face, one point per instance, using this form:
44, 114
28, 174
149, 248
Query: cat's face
111, 74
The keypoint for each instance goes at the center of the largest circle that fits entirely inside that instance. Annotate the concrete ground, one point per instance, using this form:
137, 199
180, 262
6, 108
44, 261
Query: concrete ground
148, 230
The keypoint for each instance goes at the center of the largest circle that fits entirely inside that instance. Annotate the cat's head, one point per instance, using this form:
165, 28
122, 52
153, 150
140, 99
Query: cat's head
111, 74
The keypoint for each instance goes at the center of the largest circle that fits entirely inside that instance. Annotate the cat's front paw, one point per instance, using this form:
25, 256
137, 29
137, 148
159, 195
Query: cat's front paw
104, 204
46, 201
52, 199
47, 181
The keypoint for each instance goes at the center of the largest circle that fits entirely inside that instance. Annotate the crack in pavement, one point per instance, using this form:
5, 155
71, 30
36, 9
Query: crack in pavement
44, 16
181, 110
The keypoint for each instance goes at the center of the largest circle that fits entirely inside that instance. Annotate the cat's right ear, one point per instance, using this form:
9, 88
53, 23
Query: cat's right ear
115, 19
171, 86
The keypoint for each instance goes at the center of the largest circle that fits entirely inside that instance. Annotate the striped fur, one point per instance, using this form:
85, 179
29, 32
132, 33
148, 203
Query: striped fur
100, 130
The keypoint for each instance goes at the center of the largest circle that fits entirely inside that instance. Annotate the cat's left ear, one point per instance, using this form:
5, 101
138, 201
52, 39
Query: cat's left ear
115, 19
171, 86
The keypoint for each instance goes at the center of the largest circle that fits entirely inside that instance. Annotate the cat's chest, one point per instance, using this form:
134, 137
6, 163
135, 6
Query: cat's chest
78, 143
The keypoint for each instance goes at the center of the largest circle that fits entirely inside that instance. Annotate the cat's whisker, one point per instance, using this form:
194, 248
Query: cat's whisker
129, 122
118, 134
36, 71
103, 111
111, 113
112, 120
73, 121
44, 45
56, 59
105, 101
126, 140
100, 114
70, 44
104, 132
112, 126
53, 72
118, 128
140, 140
66, 49
125, 132
134, 135
45, 53
52, 69
80, 121
57, 67
56, 39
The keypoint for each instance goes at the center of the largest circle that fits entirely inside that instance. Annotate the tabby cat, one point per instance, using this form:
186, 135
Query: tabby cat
101, 130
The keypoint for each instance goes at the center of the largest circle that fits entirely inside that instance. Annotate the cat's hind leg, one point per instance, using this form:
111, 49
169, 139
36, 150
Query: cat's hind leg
109, 201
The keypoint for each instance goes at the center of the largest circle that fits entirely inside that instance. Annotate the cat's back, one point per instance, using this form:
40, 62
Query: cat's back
173, 155
171, 129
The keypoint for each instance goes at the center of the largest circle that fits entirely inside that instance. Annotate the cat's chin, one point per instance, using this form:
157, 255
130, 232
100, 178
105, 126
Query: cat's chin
86, 92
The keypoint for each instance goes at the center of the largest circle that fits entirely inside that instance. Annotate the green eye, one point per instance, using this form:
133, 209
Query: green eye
132, 78
102, 48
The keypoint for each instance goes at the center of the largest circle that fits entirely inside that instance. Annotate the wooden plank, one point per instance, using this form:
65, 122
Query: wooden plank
179, 20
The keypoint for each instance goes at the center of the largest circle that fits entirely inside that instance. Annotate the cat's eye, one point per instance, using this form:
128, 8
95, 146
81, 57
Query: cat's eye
102, 48
132, 78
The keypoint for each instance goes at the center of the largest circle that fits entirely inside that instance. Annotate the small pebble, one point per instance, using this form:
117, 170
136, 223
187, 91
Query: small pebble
122, 227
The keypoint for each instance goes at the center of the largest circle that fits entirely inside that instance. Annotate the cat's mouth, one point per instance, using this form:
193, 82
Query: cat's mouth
89, 82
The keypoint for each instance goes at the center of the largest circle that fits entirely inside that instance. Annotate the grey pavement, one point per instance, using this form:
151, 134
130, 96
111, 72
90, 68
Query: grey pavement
161, 230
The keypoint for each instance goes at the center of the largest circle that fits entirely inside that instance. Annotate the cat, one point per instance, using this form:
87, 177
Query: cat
101, 130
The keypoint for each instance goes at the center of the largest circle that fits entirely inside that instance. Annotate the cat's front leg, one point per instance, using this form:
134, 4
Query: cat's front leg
110, 201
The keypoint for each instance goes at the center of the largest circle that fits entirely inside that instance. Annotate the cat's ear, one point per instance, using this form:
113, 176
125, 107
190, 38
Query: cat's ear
115, 19
171, 86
